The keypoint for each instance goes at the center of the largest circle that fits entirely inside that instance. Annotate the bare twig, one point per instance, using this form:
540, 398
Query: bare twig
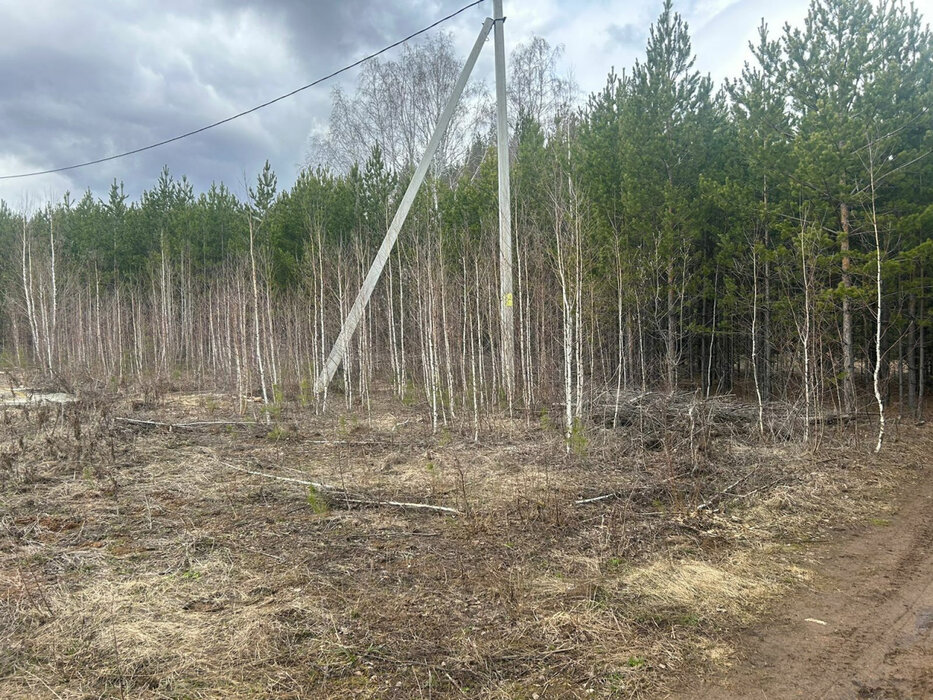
760, 488
717, 496
622, 494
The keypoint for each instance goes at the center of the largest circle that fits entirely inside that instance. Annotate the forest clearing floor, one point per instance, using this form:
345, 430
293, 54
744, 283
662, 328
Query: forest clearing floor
163, 546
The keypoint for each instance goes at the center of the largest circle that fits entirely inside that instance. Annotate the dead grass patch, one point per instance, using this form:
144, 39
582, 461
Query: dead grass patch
693, 590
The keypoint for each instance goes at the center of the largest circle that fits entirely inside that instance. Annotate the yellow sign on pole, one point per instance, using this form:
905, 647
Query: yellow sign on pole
508, 299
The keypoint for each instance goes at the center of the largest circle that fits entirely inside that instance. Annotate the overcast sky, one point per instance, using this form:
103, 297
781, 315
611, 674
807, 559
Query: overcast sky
81, 79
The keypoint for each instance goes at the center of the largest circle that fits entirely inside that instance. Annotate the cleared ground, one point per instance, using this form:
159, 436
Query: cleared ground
140, 558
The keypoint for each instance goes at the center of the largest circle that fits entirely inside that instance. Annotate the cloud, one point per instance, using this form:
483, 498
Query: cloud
82, 80
739, 21
29, 195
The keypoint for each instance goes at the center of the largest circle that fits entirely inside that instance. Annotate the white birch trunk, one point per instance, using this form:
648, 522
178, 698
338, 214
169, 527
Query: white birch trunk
256, 314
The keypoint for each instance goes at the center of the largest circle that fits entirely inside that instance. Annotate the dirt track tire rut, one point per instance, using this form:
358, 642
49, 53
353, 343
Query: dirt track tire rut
863, 630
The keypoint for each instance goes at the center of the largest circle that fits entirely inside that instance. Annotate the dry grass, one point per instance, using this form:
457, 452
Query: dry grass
691, 587
134, 564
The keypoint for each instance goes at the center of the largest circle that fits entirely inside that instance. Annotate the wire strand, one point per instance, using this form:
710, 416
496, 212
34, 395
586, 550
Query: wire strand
248, 111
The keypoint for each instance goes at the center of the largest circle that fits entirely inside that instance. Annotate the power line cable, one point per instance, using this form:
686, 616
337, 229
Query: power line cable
252, 109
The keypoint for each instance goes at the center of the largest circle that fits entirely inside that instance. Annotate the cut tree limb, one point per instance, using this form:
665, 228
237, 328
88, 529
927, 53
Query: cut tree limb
193, 425
344, 496
314, 484
596, 499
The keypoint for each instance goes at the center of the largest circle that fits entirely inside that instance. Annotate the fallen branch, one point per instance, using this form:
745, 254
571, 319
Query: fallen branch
352, 443
717, 496
314, 484
760, 488
596, 499
402, 504
621, 494
344, 496
193, 425
146, 423
536, 655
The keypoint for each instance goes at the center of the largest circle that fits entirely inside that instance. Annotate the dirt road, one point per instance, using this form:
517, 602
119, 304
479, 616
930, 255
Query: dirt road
864, 629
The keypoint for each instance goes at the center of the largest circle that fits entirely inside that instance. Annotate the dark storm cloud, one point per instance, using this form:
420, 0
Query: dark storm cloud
82, 80
348, 26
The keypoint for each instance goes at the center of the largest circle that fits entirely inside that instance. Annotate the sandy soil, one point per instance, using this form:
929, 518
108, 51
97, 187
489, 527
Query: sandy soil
864, 626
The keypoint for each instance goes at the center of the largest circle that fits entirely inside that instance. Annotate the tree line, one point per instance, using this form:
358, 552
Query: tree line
769, 237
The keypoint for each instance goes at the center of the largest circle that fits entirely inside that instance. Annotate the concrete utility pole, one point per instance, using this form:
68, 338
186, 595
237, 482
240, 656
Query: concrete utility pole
506, 298
338, 352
